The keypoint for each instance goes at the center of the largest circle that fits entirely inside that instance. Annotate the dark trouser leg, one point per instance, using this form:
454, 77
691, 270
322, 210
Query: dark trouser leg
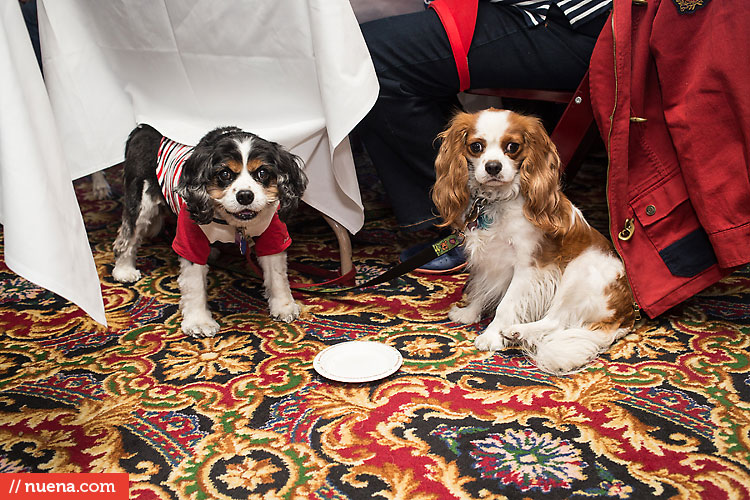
30, 18
419, 84
418, 87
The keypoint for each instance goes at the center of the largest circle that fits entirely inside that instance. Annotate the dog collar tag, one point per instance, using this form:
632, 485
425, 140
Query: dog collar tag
477, 218
484, 221
241, 242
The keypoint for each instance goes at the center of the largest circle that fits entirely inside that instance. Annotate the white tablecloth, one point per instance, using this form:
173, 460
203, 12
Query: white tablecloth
293, 71
45, 239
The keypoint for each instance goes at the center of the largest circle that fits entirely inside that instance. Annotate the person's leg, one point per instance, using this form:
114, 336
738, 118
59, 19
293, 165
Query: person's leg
419, 83
418, 87
32, 26
550, 56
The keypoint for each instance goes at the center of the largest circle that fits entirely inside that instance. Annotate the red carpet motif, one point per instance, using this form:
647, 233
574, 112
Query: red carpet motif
664, 414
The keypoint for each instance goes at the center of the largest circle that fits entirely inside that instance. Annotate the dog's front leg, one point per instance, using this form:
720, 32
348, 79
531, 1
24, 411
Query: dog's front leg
474, 305
100, 186
196, 317
482, 290
276, 284
515, 307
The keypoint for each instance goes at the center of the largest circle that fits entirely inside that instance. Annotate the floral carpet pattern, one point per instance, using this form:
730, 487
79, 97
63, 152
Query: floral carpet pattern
664, 414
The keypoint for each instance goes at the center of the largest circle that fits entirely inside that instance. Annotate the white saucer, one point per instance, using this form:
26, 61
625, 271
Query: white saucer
357, 361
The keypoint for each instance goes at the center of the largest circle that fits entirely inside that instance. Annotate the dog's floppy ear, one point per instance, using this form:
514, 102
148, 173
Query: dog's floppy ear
195, 177
540, 179
451, 192
291, 181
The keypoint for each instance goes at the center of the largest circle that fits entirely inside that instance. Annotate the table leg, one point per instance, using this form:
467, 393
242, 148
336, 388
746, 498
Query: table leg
345, 244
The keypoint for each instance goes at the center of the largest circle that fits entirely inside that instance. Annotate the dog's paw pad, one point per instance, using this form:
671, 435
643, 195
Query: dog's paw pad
126, 274
286, 312
206, 328
512, 335
489, 341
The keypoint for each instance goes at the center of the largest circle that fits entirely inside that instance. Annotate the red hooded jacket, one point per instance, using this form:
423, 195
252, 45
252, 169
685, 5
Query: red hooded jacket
670, 89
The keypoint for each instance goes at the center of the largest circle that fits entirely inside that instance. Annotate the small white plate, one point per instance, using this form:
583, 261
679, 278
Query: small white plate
357, 361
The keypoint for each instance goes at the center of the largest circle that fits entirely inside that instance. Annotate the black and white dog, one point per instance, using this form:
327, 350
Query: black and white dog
232, 186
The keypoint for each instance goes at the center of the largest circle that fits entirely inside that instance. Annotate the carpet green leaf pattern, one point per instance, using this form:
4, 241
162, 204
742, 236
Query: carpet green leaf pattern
665, 413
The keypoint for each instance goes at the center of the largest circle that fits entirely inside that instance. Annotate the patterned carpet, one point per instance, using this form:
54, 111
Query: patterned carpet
664, 414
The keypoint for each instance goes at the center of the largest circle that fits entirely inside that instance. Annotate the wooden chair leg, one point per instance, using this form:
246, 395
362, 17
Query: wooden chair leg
345, 244
575, 131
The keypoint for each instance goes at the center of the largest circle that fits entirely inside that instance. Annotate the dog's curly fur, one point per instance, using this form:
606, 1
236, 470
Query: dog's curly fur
231, 176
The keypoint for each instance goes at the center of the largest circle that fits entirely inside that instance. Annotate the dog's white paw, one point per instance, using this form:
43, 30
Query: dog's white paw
200, 327
284, 310
126, 274
565, 353
100, 186
490, 341
528, 334
465, 315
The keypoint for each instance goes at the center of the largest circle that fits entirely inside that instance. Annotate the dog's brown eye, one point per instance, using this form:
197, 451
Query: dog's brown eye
512, 147
225, 175
262, 174
476, 147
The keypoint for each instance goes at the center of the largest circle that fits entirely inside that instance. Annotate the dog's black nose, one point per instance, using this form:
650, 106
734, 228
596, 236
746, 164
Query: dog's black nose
245, 197
493, 167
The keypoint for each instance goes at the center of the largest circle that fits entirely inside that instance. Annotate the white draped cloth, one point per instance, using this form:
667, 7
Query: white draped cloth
45, 239
293, 71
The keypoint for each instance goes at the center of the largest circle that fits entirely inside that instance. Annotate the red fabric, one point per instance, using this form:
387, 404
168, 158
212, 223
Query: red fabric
459, 18
191, 243
684, 169
275, 239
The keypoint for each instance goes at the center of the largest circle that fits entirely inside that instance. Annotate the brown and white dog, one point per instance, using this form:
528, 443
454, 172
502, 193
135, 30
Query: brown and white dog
232, 186
556, 285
